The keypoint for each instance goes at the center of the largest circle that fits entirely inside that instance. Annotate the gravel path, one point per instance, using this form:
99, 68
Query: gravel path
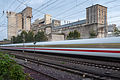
36, 75
57, 74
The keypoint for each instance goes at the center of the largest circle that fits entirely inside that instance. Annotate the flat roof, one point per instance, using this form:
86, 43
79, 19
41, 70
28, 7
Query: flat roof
71, 24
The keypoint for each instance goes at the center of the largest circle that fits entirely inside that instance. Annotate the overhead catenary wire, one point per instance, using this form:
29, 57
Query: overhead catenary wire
7, 9
37, 10
5, 18
58, 5
50, 10
72, 8
53, 7
44, 13
42, 5
21, 3
11, 4
2, 15
108, 2
27, 5
47, 6
74, 14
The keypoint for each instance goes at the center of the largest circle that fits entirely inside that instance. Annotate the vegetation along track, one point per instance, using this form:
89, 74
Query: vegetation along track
91, 68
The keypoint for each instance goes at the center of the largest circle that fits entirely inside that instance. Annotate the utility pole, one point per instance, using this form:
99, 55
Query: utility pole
34, 46
25, 22
23, 41
105, 25
34, 43
12, 40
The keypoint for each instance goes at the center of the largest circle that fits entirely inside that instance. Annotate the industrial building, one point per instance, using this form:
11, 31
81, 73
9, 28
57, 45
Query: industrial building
96, 20
45, 24
18, 22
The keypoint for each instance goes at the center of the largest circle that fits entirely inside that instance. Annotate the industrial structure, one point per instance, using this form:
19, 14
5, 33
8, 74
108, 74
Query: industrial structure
46, 24
96, 20
18, 22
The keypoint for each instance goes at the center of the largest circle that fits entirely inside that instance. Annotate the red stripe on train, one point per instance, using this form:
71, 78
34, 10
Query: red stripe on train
105, 51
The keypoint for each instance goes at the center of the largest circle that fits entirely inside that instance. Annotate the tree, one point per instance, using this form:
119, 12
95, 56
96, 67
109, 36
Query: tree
30, 36
70, 35
13, 39
76, 34
24, 35
116, 32
5, 40
93, 34
40, 36
9, 70
73, 35
19, 38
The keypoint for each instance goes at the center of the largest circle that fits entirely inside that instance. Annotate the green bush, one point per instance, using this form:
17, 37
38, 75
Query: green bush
73, 35
9, 70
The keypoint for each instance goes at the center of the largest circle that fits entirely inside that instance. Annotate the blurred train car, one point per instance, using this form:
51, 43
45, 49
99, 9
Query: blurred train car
104, 47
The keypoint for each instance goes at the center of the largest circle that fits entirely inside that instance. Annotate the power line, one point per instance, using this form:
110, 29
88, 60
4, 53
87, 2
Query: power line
2, 15
114, 21
73, 14
108, 2
114, 16
44, 13
61, 2
43, 4
21, 4
11, 4
49, 9
47, 6
8, 8
72, 8
43, 7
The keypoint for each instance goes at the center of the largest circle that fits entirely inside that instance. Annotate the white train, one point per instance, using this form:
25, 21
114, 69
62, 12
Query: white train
104, 47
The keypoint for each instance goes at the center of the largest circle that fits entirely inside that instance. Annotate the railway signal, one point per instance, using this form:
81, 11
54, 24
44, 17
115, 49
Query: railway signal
34, 45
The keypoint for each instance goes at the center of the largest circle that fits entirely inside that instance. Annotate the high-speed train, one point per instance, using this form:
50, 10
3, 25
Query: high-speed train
104, 47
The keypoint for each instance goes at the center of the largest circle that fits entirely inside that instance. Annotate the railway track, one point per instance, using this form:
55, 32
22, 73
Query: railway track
93, 69
88, 62
35, 67
99, 64
38, 73
60, 67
